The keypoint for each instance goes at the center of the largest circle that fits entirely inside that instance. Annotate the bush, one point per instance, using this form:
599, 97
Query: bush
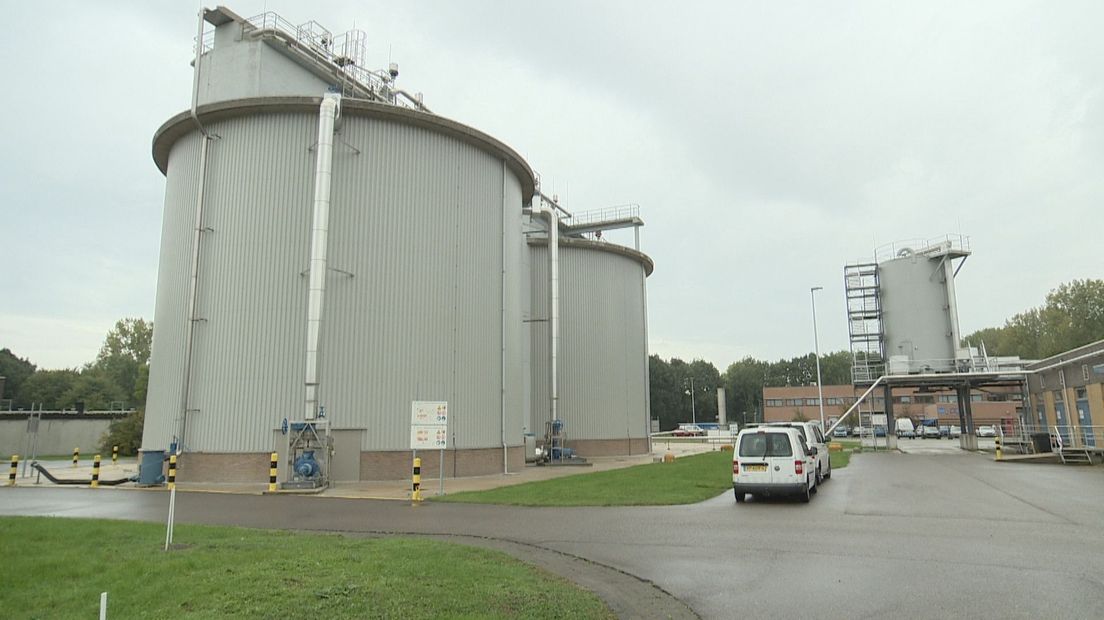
125, 433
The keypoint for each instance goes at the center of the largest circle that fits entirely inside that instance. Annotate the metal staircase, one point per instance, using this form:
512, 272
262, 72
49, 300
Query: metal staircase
864, 321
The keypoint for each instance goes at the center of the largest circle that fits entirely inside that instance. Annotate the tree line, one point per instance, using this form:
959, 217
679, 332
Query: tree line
116, 379
1072, 316
743, 381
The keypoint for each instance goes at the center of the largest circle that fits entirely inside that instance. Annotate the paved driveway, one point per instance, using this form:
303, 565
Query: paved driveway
894, 534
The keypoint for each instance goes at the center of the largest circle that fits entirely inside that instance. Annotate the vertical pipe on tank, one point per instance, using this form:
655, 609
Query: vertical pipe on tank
502, 317
554, 299
320, 224
193, 286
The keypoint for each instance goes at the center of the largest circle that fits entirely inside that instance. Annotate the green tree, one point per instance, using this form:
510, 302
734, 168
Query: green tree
125, 433
96, 390
49, 388
16, 371
124, 358
1072, 316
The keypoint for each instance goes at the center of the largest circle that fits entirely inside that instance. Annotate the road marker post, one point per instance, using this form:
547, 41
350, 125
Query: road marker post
416, 492
273, 463
999, 451
14, 467
172, 472
172, 503
96, 472
76, 455
114, 455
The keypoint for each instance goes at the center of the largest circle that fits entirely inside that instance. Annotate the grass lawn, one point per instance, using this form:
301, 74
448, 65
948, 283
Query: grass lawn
56, 568
843, 457
688, 480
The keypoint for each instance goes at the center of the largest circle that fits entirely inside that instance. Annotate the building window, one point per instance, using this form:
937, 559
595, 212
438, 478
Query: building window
1058, 396
1082, 393
975, 398
1042, 384
812, 402
1085, 372
835, 401
904, 400
1062, 377
774, 402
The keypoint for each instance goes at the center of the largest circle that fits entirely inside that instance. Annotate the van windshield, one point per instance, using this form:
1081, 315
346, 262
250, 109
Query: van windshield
765, 444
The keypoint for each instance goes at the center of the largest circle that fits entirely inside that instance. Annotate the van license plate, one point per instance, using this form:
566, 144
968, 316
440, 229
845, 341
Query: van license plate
755, 468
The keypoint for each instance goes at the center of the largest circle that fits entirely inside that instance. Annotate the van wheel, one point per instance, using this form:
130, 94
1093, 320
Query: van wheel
819, 478
829, 474
805, 496
739, 497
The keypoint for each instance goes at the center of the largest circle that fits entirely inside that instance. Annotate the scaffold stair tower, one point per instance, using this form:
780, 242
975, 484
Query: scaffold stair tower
864, 321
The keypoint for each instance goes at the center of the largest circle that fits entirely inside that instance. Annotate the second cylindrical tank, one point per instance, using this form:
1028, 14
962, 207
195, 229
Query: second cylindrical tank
603, 359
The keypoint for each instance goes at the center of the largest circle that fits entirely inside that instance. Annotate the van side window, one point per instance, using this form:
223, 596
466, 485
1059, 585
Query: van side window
780, 444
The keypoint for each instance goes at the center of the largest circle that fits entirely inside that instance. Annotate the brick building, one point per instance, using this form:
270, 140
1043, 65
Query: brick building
990, 405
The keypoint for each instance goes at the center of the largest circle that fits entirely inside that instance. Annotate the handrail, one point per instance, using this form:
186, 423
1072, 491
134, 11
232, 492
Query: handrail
870, 389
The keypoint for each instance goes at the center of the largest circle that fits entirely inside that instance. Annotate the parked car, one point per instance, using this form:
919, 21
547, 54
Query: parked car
688, 430
856, 431
985, 431
814, 438
905, 428
841, 431
773, 460
944, 431
956, 431
930, 432
879, 431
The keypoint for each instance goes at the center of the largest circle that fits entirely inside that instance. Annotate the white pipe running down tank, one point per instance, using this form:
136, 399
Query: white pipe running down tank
320, 225
554, 301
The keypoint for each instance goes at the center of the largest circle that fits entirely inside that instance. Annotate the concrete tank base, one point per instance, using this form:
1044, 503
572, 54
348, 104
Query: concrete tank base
609, 447
252, 467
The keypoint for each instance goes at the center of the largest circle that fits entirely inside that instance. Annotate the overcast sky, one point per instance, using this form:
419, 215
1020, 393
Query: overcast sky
768, 144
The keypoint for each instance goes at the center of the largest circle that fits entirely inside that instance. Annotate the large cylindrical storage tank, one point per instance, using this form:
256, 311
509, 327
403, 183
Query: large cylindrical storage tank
918, 316
603, 355
422, 299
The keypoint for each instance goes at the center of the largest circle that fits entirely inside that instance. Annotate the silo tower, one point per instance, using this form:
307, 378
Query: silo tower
902, 310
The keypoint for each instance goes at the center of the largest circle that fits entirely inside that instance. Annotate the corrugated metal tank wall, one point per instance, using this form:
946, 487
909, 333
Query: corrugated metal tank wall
421, 224
915, 311
603, 357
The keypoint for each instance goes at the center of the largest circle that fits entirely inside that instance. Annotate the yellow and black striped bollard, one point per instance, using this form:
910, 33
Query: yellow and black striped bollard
114, 455
96, 472
14, 467
416, 494
999, 454
76, 455
172, 472
272, 471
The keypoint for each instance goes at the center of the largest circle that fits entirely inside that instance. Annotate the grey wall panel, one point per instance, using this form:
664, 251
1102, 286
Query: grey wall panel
915, 311
248, 360
170, 313
603, 384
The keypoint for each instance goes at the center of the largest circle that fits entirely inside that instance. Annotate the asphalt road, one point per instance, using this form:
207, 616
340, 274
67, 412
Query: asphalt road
898, 535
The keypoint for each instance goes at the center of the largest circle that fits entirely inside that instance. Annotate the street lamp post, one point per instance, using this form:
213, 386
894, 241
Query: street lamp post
693, 406
816, 344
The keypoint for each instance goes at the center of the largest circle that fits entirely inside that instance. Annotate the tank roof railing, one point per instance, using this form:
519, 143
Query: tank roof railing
954, 243
343, 54
598, 220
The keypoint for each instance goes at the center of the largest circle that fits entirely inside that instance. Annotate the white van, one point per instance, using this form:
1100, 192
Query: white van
814, 438
773, 460
905, 428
